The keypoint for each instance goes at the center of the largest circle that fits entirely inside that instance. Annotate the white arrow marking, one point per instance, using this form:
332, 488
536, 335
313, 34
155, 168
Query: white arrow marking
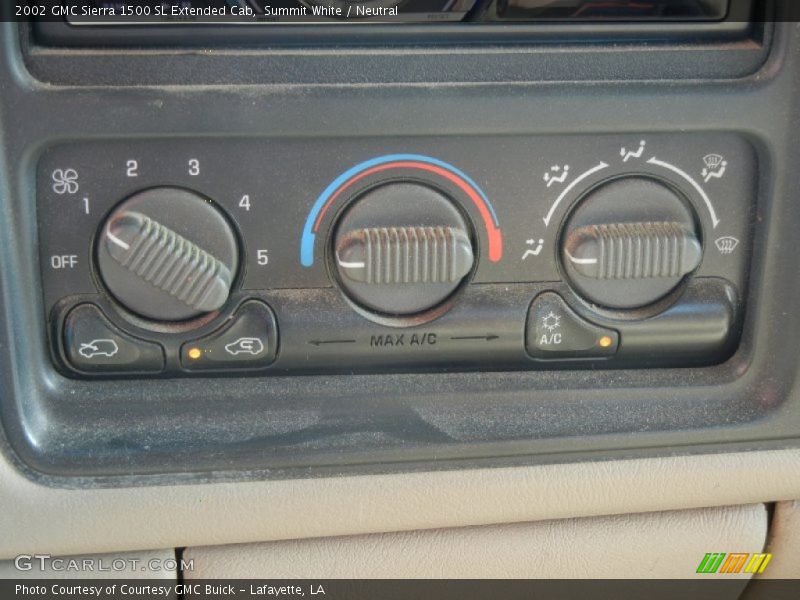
569, 188
581, 261
350, 264
121, 243
703, 195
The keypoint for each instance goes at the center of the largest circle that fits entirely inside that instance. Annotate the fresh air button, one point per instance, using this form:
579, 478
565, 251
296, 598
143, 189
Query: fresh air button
554, 331
249, 341
93, 345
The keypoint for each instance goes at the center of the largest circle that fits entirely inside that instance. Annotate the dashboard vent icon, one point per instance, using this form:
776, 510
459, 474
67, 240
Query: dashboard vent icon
726, 245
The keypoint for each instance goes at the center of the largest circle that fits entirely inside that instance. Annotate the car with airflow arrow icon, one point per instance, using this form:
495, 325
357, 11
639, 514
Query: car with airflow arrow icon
245, 345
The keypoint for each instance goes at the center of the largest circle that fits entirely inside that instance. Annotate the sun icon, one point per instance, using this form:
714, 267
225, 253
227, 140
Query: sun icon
551, 322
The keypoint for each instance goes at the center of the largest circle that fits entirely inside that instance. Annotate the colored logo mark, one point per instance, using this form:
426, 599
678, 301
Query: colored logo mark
735, 562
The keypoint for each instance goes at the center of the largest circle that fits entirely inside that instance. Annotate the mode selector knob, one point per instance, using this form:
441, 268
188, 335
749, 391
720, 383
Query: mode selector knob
402, 248
168, 254
630, 242
623, 251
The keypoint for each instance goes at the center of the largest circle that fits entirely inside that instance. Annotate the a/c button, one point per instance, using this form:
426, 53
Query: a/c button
555, 331
248, 341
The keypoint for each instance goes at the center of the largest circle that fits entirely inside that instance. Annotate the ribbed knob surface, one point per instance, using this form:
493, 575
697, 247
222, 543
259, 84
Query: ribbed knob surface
634, 250
630, 242
168, 261
401, 248
168, 254
405, 255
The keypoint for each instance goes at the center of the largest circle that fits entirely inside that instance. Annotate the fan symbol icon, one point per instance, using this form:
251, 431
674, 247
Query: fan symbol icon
65, 181
551, 321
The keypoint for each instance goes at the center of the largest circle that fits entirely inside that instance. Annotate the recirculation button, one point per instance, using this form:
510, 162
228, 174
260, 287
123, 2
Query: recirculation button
555, 331
248, 341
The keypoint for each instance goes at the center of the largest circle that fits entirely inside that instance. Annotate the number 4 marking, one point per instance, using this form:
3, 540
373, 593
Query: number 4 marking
245, 202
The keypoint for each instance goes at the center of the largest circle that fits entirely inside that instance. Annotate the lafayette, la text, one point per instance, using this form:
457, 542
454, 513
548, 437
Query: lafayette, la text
186, 590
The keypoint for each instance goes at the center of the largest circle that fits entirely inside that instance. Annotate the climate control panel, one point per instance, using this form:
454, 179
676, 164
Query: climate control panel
209, 256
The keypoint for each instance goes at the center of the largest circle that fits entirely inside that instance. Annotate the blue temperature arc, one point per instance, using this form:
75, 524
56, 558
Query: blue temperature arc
309, 235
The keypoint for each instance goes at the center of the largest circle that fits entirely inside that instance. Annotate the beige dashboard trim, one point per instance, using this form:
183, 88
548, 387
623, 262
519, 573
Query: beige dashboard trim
35, 518
663, 545
784, 542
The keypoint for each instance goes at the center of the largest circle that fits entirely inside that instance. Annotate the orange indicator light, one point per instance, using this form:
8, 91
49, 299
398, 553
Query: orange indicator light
605, 341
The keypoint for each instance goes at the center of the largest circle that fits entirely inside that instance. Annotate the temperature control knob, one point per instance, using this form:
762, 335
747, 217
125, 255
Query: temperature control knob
630, 242
168, 254
405, 255
402, 248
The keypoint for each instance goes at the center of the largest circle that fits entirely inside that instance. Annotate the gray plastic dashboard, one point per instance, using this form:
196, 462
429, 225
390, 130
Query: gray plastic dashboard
69, 432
